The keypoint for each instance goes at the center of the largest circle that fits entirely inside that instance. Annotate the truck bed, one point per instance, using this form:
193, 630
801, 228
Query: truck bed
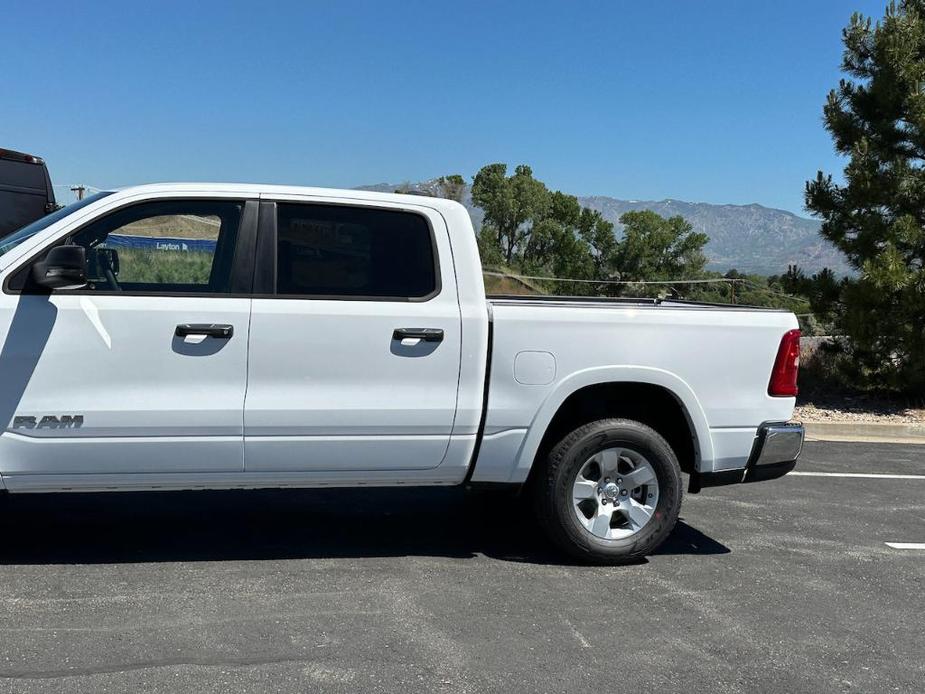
715, 359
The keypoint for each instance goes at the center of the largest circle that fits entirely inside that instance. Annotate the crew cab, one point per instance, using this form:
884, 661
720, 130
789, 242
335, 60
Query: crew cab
189, 336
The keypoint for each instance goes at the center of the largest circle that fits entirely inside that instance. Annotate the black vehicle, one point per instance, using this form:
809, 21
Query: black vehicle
26, 193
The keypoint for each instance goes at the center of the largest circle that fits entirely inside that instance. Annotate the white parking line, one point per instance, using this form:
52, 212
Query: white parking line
865, 475
906, 545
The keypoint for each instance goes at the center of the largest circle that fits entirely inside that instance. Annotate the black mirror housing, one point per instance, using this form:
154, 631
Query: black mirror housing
64, 267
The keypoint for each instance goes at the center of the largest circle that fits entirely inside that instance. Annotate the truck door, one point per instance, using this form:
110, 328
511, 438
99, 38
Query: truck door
142, 371
355, 339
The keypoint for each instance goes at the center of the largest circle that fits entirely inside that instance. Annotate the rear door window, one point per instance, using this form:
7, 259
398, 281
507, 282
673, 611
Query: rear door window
335, 251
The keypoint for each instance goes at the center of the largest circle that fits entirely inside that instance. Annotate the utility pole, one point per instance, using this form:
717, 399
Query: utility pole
79, 190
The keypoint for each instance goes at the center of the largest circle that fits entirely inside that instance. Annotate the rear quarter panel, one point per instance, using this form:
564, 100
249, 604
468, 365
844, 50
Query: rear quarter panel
716, 362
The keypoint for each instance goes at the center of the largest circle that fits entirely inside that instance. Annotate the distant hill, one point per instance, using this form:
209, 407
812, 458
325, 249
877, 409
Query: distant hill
185, 226
749, 238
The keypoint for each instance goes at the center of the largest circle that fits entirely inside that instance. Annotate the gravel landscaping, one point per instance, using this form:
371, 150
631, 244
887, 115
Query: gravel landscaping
823, 399
859, 410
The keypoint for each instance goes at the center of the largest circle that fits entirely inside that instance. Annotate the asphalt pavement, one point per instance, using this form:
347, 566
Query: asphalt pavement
783, 586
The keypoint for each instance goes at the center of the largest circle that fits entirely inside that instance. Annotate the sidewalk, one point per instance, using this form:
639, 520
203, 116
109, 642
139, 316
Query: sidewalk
870, 432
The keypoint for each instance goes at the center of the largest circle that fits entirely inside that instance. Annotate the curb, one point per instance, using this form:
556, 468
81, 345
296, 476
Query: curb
868, 432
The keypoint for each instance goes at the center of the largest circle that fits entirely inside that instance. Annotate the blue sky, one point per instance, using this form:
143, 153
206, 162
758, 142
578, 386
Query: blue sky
703, 101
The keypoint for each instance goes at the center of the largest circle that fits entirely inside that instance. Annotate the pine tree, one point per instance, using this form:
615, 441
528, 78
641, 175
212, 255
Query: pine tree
876, 118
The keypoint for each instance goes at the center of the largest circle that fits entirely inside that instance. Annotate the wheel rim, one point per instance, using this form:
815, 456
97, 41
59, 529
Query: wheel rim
615, 493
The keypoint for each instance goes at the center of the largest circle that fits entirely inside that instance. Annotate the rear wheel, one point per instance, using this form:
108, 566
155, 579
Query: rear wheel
610, 492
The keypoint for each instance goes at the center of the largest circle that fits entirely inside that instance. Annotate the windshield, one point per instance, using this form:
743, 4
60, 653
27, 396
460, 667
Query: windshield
10, 241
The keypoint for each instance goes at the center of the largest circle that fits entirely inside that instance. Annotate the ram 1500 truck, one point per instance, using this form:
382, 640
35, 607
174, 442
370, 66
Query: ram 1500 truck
189, 336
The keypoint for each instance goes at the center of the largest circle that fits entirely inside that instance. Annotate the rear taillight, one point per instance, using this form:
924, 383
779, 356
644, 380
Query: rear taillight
786, 366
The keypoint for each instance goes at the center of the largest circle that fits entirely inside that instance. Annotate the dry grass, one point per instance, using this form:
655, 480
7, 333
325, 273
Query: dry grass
181, 226
509, 285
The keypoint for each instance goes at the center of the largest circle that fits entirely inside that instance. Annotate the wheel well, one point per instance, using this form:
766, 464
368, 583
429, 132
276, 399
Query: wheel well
652, 405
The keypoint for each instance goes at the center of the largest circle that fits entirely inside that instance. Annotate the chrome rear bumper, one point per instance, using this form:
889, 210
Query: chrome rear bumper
774, 453
777, 443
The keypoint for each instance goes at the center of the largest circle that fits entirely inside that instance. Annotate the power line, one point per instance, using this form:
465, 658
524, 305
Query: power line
720, 280
74, 186
755, 285
723, 280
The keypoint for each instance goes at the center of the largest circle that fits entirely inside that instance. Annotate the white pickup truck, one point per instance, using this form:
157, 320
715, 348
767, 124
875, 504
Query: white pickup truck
189, 336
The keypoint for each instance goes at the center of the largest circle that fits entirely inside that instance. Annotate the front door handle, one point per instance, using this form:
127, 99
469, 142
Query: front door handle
220, 330
425, 334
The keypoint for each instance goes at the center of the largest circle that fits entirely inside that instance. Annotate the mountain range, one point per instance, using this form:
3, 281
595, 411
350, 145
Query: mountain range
750, 238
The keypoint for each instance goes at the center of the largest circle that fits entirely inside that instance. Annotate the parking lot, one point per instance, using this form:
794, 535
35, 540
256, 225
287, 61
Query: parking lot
785, 586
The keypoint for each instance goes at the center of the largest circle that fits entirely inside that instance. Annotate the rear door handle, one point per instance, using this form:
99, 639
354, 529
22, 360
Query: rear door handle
425, 334
220, 330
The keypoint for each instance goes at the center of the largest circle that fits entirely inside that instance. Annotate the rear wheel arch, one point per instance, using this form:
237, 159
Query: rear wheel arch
652, 397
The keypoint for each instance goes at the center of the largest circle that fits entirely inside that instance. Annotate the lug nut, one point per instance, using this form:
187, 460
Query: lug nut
606, 480
619, 481
623, 493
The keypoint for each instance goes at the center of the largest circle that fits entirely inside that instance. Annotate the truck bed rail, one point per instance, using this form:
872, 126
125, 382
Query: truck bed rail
619, 301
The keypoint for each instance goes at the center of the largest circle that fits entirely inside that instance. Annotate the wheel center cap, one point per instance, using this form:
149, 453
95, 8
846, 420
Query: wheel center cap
610, 491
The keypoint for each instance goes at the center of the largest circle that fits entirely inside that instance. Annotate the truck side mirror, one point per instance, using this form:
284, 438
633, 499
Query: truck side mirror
64, 267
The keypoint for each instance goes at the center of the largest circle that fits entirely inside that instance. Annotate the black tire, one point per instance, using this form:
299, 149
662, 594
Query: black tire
553, 491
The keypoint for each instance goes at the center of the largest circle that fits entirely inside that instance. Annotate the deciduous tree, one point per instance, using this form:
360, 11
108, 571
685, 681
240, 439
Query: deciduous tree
656, 248
511, 205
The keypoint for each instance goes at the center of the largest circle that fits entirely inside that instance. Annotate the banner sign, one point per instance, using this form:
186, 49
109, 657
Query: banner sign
160, 243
